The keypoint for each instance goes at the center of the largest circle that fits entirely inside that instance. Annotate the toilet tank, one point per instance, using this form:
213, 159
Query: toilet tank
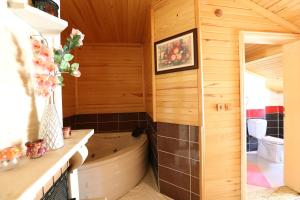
257, 127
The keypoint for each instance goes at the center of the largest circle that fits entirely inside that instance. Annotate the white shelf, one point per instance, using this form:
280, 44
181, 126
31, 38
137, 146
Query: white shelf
31, 175
37, 19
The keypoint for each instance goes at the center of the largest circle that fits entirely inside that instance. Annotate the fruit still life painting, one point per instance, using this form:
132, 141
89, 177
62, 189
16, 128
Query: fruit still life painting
176, 53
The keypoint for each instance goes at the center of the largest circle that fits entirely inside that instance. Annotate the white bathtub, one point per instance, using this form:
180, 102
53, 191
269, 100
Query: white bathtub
116, 163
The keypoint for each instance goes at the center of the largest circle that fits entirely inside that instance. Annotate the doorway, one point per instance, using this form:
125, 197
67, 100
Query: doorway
262, 109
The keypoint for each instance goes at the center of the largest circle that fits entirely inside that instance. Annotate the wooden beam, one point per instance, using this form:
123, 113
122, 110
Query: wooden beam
271, 16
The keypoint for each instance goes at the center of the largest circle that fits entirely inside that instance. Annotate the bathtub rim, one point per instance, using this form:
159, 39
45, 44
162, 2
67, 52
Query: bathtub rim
143, 140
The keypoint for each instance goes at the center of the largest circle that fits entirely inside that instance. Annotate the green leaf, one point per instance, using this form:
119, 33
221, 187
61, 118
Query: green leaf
64, 65
76, 37
68, 57
57, 58
65, 48
74, 66
73, 44
60, 79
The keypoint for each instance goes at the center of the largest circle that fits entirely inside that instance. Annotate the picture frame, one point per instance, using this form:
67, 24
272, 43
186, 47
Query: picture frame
176, 53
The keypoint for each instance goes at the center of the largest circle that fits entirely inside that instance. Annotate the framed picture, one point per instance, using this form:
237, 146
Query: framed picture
176, 53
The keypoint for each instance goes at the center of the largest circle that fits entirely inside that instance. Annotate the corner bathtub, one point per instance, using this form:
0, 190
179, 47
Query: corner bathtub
115, 164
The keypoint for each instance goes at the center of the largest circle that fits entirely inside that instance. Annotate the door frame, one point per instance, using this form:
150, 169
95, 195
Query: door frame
249, 37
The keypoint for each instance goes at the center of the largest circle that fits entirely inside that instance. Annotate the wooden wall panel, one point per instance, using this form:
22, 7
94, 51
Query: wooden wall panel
173, 17
112, 79
149, 79
69, 88
69, 96
220, 39
176, 93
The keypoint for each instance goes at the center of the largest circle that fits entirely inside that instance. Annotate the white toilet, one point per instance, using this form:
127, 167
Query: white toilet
270, 148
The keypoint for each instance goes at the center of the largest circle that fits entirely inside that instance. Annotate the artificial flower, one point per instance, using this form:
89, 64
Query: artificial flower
51, 63
77, 73
45, 52
77, 32
36, 45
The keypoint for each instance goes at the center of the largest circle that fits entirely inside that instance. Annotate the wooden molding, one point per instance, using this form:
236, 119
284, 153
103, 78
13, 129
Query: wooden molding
271, 16
200, 101
252, 37
242, 56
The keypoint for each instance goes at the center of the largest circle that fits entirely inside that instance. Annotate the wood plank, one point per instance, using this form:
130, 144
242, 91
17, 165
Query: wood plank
112, 79
173, 17
118, 21
271, 16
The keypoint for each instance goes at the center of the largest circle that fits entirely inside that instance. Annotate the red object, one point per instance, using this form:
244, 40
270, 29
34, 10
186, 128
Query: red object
256, 113
10, 153
35, 149
274, 109
67, 132
260, 113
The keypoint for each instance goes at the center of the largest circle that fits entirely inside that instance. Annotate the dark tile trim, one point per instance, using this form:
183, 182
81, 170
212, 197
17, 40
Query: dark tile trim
178, 152
107, 122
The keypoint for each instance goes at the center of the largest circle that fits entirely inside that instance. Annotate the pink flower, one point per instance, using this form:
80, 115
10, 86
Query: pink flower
52, 81
49, 67
77, 73
41, 80
77, 32
36, 45
45, 52
38, 61
173, 57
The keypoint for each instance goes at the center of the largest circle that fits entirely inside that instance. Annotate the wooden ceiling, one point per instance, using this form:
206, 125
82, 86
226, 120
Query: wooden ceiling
258, 51
287, 9
107, 21
122, 21
269, 67
266, 61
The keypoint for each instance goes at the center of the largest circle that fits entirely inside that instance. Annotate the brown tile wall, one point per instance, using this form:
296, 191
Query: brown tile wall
103, 123
178, 160
152, 136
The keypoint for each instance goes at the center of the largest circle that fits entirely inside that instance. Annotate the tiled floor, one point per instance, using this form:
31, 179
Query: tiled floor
146, 190
272, 171
281, 193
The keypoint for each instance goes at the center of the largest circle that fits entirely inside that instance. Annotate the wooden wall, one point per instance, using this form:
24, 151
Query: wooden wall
150, 103
176, 93
69, 96
221, 76
69, 88
111, 80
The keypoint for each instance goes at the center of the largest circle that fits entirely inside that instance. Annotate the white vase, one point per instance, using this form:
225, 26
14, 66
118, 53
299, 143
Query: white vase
50, 126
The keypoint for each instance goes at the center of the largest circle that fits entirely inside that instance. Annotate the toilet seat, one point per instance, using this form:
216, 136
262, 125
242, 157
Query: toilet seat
271, 148
273, 140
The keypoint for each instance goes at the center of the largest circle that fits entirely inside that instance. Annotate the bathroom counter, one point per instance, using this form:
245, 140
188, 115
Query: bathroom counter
24, 181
